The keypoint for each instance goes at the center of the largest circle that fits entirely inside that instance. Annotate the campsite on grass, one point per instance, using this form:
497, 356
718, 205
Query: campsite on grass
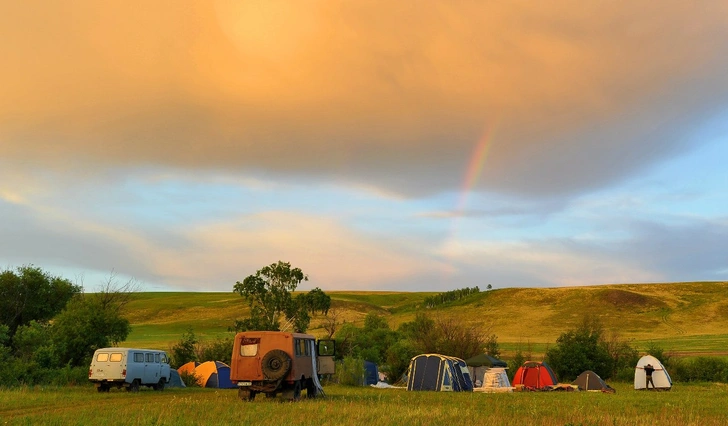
436, 378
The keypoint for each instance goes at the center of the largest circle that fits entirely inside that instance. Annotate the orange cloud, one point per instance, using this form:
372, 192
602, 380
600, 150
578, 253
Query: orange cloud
365, 91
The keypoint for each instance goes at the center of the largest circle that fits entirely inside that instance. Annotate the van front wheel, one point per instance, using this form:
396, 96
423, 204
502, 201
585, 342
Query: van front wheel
159, 386
134, 386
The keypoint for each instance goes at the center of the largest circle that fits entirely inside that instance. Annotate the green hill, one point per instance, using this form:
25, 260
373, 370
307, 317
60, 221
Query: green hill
685, 318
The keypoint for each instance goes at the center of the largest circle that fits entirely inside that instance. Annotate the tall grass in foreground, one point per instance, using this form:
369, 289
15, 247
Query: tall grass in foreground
695, 404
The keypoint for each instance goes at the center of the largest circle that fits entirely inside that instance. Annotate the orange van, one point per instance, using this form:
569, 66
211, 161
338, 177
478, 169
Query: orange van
273, 362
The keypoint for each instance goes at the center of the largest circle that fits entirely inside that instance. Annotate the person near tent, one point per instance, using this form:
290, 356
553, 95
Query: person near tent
649, 369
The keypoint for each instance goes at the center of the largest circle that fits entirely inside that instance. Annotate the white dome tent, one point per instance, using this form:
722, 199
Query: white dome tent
660, 377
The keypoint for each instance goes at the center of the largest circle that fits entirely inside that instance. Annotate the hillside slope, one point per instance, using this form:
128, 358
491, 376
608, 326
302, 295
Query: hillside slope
689, 318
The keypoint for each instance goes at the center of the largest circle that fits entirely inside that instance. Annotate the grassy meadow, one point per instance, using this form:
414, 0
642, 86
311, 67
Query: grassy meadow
686, 319
694, 404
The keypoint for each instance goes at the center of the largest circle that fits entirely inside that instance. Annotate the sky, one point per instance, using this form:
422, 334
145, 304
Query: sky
402, 146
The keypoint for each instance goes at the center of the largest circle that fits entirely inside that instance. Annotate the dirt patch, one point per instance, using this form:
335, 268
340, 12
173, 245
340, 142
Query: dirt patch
628, 299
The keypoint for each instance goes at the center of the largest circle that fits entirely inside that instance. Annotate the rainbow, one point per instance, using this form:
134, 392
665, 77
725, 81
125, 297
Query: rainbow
475, 167
472, 173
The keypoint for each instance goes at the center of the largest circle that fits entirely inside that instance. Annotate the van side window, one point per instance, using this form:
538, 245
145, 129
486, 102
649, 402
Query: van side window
164, 359
156, 358
102, 357
138, 357
302, 348
150, 357
249, 346
115, 357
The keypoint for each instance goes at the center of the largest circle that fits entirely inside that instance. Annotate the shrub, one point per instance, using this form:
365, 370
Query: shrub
184, 351
189, 378
579, 350
351, 372
398, 359
515, 363
217, 350
658, 352
700, 369
69, 376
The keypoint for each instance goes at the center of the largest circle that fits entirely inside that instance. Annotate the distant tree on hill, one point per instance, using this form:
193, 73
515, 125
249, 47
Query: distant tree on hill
270, 295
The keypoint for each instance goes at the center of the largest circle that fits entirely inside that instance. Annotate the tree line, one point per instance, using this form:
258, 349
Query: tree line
450, 296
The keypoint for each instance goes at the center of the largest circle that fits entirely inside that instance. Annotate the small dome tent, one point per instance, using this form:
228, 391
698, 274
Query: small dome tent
371, 373
175, 381
660, 377
495, 380
188, 368
214, 374
438, 373
534, 375
590, 381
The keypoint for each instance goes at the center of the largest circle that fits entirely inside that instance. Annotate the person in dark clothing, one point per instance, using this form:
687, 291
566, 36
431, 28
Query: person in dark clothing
649, 369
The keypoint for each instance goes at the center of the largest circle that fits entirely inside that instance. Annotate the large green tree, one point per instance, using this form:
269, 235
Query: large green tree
84, 326
269, 293
30, 294
581, 349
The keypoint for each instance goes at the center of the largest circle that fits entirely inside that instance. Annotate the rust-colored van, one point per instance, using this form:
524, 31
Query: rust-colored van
273, 362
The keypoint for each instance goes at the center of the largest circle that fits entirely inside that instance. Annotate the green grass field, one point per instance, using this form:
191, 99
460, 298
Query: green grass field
687, 319
695, 404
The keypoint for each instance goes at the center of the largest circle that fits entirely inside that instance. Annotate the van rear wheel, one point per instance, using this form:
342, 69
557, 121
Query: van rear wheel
310, 388
246, 394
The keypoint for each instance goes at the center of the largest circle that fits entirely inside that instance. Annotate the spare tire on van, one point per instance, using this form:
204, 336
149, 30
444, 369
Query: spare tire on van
276, 364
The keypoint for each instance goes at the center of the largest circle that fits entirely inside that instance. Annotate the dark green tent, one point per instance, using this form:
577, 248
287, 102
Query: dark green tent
484, 360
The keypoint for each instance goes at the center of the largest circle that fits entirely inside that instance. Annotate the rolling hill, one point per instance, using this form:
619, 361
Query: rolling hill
684, 318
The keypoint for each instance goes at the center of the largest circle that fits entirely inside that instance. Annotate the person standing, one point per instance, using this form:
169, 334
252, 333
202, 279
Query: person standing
649, 369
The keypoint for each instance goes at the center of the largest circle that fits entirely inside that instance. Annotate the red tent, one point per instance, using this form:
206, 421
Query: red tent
535, 375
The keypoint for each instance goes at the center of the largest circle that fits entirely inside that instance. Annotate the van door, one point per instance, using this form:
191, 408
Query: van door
151, 369
325, 351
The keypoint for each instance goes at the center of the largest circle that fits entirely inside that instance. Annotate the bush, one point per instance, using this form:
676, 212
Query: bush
398, 359
579, 350
625, 374
69, 376
184, 351
217, 350
658, 352
515, 363
16, 372
189, 378
700, 369
351, 372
